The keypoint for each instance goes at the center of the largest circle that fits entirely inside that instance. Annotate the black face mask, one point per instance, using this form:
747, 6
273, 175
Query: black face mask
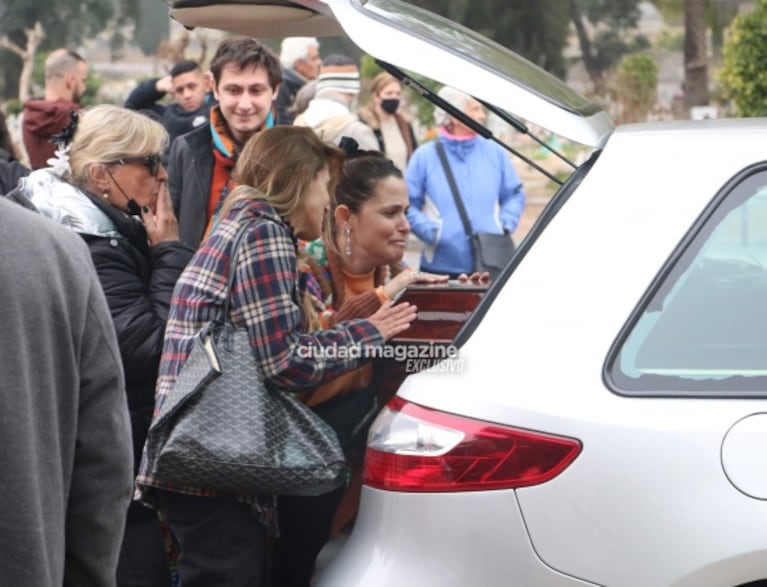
390, 105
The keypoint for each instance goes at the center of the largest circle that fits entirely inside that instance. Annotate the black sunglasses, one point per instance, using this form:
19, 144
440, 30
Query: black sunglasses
152, 162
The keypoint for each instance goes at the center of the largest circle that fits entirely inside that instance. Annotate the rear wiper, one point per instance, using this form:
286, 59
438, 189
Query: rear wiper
481, 130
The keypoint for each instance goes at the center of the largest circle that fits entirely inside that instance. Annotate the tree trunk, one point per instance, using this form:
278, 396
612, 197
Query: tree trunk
587, 52
27, 56
695, 54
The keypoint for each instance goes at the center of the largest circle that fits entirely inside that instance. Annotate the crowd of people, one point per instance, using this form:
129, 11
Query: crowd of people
122, 227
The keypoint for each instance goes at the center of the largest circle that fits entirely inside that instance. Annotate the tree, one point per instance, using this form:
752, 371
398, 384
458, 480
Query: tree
27, 54
65, 22
695, 54
635, 87
743, 77
606, 31
152, 26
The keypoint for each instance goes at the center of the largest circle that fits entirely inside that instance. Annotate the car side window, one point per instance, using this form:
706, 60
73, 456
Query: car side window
704, 329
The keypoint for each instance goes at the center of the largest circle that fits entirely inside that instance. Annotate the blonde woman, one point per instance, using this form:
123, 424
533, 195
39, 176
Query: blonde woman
113, 192
384, 115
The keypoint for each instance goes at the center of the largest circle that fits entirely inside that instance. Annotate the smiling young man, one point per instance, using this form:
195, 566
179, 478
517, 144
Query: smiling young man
190, 88
246, 78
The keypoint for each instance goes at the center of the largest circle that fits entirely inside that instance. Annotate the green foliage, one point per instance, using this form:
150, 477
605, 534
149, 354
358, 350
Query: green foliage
152, 26
670, 41
92, 88
13, 107
636, 86
743, 77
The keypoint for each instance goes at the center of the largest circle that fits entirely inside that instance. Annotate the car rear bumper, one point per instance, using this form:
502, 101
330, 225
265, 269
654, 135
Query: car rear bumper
449, 540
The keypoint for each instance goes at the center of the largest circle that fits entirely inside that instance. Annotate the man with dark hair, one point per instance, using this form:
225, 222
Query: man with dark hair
65, 75
190, 88
67, 456
246, 79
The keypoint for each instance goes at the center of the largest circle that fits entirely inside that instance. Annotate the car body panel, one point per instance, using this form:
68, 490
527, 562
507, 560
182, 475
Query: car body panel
585, 292
404, 36
406, 525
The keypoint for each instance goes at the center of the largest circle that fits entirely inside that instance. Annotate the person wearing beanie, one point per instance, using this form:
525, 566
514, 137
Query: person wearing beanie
329, 113
487, 184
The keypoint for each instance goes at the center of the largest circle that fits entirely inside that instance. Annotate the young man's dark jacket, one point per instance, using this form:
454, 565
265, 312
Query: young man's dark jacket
190, 173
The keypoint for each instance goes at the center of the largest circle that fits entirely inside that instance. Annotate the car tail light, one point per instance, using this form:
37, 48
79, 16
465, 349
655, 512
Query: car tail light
413, 448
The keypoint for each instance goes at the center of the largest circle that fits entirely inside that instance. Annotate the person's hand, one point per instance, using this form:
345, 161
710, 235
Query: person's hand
407, 278
164, 84
390, 319
161, 225
475, 277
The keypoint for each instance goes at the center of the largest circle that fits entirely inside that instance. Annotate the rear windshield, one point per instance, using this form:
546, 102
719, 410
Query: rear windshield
471, 46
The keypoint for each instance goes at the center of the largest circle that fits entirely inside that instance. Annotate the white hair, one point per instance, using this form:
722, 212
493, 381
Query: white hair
294, 48
456, 98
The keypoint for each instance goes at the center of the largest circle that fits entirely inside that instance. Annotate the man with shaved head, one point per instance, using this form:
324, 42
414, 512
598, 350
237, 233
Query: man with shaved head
65, 75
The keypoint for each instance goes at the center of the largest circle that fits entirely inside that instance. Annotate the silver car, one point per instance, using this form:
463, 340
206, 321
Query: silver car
607, 421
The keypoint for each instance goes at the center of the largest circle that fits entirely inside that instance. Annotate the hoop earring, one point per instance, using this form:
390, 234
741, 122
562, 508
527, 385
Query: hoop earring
348, 235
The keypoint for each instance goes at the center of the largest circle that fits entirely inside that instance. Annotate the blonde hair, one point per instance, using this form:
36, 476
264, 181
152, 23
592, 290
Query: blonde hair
278, 164
382, 80
107, 133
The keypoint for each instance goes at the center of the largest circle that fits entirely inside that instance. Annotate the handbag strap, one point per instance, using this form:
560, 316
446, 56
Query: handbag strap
454, 188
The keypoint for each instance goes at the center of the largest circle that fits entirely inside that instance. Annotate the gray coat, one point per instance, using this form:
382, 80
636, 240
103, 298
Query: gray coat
190, 173
66, 463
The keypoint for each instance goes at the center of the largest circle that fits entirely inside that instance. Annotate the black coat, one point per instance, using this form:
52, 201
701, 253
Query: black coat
190, 173
11, 171
138, 281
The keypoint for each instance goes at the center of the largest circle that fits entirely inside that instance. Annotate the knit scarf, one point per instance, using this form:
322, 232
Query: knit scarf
225, 153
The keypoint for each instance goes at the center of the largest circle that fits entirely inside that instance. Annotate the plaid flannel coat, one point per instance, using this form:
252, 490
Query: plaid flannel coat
266, 298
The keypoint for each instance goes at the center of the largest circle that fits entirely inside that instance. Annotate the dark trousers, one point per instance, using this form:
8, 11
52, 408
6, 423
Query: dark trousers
304, 529
143, 558
221, 542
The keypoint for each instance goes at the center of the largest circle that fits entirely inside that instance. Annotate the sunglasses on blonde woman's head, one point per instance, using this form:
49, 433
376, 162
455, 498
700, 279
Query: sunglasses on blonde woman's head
152, 162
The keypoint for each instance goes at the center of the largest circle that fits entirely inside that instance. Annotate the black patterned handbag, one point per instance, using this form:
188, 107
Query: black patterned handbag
221, 428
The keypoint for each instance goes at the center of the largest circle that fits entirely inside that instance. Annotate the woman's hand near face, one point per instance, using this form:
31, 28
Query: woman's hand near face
407, 278
161, 225
390, 319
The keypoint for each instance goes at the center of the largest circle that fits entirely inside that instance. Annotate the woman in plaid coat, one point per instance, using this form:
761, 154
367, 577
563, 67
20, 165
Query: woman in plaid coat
286, 175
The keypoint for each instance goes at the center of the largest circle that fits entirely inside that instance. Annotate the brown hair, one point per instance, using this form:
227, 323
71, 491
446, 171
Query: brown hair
246, 52
278, 164
382, 80
361, 172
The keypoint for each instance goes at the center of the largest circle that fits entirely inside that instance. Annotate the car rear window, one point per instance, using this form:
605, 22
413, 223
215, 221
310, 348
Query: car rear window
702, 330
